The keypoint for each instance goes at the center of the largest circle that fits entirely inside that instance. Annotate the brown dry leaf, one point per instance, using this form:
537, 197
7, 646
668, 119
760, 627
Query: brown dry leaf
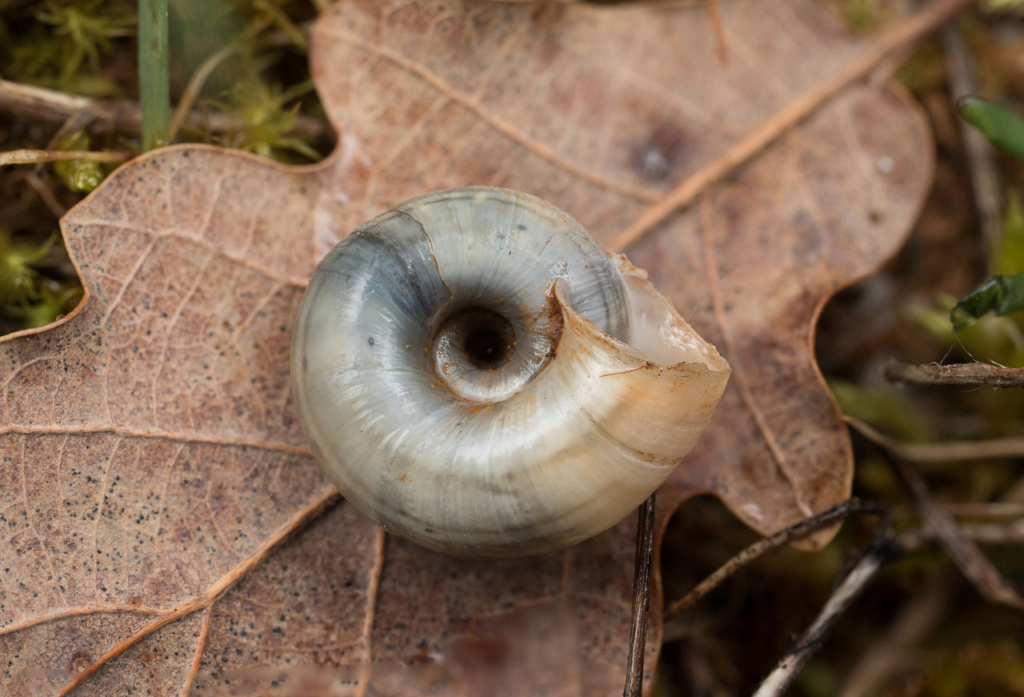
165, 530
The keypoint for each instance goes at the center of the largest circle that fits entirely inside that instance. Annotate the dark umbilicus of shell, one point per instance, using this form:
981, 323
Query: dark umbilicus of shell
477, 375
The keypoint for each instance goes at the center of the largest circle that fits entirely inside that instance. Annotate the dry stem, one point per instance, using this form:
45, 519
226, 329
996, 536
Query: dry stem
122, 116
973, 374
794, 532
797, 656
940, 452
977, 150
973, 564
32, 157
883, 551
641, 599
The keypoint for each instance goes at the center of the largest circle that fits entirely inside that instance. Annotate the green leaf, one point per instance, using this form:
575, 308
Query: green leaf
1008, 259
1000, 125
999, 294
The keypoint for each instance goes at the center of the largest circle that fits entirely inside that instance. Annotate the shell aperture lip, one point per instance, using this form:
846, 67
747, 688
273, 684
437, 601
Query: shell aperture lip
463, 371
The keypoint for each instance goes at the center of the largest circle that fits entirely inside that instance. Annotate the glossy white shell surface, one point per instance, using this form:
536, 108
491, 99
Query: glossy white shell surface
552, 444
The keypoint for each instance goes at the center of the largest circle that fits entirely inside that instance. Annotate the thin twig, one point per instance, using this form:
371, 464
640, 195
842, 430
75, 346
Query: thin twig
894, 651
883, 551
992, 534
973, 564
914, 541
200, 76
994, 509
32, 157
124, 116
940, 452
793, 532
973, 374
892, 41
46, 194
719, 29
641, 599
811, 640
195, 86
977, 150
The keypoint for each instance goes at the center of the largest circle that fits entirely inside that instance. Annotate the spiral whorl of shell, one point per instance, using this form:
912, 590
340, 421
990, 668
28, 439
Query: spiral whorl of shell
463, 374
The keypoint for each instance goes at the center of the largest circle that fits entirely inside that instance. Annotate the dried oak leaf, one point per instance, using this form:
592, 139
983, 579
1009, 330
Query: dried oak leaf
164, 528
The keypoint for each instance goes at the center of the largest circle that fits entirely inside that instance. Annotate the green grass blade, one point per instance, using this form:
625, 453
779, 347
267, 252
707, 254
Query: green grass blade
154, 85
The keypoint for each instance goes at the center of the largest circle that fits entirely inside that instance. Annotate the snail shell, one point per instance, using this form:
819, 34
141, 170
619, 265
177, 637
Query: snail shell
477, 375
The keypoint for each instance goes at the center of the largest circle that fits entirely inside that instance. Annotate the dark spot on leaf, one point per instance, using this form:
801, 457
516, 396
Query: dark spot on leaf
660, 153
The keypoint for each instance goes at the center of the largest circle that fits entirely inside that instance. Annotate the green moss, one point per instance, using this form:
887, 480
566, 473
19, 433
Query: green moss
882, 406
269, 114
79, 175
26, 294
61, 44
88, 47
17, 277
